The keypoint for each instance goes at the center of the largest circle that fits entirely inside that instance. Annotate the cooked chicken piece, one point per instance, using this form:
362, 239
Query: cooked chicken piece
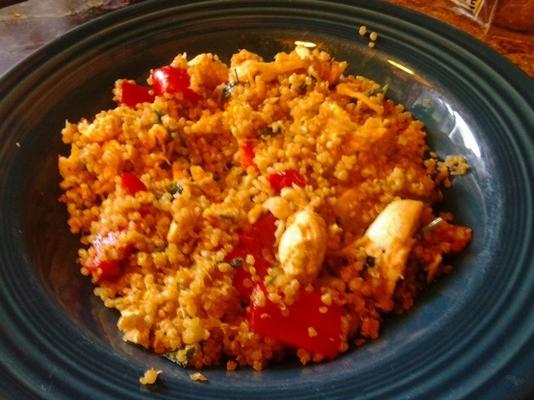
389, 240
150, 377
396, 223
302, 246
249, 68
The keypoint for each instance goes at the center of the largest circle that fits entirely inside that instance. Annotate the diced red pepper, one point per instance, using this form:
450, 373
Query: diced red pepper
111, 270
131, 183
107, 269
280, 180
247, 155
241, 274
133, 94
261, 234
305, 326
169, 79
192, 96
255, 240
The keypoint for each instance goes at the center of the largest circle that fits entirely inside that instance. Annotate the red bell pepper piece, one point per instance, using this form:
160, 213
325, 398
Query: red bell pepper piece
254, 241
131, 183
241, 274
261, 234
247, 155
169, 79
107, 269
305, 326
132, 94
280, 180
111, 270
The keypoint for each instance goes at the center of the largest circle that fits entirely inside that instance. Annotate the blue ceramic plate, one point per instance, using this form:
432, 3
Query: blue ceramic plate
470, 336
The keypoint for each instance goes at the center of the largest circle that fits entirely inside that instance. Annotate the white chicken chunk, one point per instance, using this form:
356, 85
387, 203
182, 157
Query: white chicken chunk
390, 242
302, 246
249, 68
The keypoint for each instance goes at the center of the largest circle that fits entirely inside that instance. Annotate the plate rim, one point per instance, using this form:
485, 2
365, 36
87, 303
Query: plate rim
517, 75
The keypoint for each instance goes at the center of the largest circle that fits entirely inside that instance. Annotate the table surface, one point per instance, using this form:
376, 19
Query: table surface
28, 25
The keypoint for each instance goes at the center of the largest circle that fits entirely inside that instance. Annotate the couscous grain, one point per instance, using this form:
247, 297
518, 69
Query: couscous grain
149, 377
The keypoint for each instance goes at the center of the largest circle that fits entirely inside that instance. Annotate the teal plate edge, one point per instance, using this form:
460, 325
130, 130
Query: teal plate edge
26, 374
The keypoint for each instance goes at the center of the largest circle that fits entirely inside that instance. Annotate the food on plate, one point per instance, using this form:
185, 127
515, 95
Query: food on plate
149, 377
198, 377
257, 211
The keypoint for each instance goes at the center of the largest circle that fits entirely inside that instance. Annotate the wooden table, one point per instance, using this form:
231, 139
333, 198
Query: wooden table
516, 46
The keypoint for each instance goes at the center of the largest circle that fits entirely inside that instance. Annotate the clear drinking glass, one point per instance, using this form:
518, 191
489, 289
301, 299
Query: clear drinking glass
480, 11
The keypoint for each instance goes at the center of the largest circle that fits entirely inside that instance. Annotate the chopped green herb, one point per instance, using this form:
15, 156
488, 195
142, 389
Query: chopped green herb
271, 280
174, 188
369, 261
227, 90
267, 131
236, 76
385, 88
180, 357
159, 115
236, 262
227, 216
190, 352
171, 355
